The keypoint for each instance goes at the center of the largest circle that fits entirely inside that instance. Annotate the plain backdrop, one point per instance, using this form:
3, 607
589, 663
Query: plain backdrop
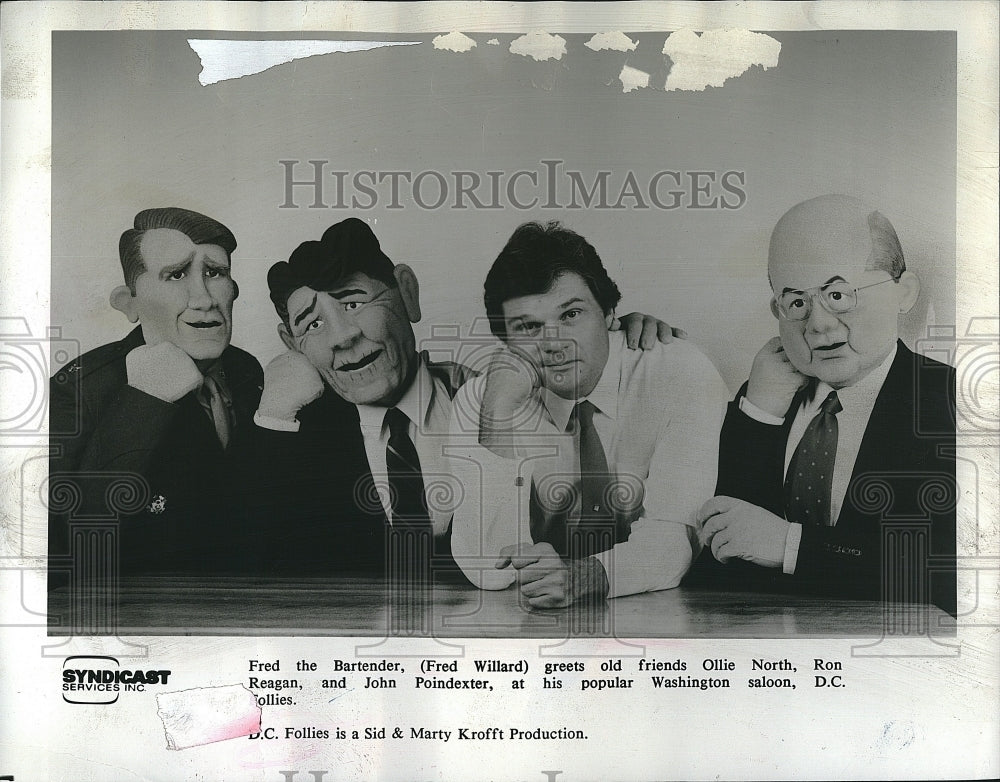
867, 113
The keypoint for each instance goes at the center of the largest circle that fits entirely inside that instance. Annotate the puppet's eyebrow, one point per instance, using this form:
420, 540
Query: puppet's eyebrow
307, 311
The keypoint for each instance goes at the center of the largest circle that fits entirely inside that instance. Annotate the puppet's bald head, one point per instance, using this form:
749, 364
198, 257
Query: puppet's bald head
833, 231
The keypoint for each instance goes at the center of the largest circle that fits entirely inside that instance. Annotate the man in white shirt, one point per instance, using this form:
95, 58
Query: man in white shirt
841, 431
590, 461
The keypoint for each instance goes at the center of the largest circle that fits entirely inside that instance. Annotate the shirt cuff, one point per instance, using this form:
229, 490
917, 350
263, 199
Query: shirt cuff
276, 424
606, 560
792, 541
761, 416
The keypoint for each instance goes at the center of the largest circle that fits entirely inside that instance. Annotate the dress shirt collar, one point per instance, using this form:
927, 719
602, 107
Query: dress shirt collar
416, 402
862, 395
605, 394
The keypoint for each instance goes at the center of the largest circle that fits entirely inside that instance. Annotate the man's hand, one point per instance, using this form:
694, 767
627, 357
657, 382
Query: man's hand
511, 381
548, 581
736, 529
773, 379
290, 383
162, 370
644, 331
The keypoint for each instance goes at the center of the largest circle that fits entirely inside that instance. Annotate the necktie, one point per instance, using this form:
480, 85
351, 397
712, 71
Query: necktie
592, 530
211, 398
594, 473
408, 539
406, 481
810, 471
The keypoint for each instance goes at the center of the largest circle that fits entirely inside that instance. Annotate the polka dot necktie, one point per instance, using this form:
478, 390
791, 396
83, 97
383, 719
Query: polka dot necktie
810, 473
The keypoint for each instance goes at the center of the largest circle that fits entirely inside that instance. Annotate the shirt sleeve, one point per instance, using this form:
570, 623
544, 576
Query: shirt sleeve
487, 516
682, 475
762, 416
792, 541
275, 424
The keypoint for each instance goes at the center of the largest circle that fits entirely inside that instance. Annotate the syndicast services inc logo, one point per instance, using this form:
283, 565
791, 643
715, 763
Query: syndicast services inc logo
99, 680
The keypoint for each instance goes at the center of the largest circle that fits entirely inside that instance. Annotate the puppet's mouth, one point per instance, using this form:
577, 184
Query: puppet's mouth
351, 366
204, 324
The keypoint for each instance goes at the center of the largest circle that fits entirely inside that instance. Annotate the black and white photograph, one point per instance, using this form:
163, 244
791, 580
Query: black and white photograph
633, 366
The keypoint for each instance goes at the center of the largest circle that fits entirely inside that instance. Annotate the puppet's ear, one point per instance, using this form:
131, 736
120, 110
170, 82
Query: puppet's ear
409, 290
909, 289
123, 301
286, 337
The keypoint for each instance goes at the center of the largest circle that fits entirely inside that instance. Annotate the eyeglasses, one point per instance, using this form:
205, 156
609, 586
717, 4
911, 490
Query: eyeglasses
835, 297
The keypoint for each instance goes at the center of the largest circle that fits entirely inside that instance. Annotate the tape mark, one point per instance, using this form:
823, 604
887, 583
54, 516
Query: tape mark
223, 60
205, 715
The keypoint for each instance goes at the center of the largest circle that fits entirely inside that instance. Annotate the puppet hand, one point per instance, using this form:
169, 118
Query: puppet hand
736, 529
511, 381
290, 383
773, 379
162, 370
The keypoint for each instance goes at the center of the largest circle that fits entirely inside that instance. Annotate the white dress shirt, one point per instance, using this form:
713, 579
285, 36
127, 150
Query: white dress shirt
857, 401
659, 413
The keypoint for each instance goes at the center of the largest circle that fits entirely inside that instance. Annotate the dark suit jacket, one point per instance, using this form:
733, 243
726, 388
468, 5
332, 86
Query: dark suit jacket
157, 466
903, 479
323, 515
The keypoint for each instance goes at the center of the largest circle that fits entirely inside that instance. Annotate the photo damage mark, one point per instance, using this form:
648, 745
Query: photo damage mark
454, 42
222, 60
633, 79
708, 59
205, 715
613, 41
539, 46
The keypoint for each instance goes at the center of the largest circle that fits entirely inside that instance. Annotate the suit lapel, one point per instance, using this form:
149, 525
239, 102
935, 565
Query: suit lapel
887, 426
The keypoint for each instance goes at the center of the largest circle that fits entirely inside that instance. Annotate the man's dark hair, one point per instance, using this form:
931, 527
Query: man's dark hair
534, 256
348, 247
197, 227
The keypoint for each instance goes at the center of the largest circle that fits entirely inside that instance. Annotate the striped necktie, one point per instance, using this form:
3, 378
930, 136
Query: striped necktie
212, 400
406, 481
409, 539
